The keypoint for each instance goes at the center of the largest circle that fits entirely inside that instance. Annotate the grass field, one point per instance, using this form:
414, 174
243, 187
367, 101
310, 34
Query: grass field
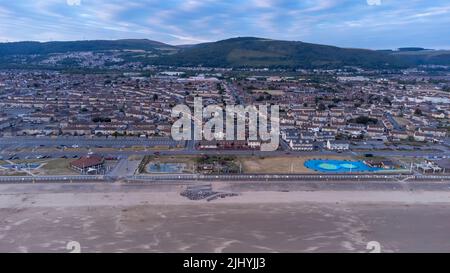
402, 121
134, 149
363, 158
271, 92
2, 173
135, 157
22, 161
278, 165
57, 167
264, 165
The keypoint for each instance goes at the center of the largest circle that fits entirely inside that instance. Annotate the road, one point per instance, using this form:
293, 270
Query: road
394, 122
88, 142
12, 146
123, 169
56, 154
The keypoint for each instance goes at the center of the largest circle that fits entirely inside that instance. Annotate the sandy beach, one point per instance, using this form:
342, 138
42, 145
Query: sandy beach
112, 218
65, 200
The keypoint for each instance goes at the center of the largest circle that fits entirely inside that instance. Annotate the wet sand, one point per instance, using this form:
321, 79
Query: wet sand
159, 220
228, 228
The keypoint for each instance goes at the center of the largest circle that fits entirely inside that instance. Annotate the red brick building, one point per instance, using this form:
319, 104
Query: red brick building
88, 164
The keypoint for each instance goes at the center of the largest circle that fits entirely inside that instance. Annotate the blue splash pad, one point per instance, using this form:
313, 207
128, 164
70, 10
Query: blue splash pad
339, 166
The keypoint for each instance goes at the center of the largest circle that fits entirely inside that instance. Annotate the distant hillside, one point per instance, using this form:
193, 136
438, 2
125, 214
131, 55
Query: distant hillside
411, 49
28, 48
257, 52
247, 52
424, 57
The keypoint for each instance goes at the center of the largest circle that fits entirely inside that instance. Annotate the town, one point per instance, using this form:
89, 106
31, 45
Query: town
245, 129
389, 119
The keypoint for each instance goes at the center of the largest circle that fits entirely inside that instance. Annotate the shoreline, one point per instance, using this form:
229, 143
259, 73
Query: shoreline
107, 218
168, 198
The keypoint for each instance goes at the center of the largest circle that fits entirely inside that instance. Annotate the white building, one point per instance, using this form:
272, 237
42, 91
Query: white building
338, 145
301, 145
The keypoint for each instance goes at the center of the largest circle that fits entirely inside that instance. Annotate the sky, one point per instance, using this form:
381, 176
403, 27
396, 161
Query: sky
375, 24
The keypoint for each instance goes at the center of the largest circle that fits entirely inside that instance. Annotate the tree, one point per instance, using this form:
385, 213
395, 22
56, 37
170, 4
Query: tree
321, 107
260, 98
101, 119
365, 120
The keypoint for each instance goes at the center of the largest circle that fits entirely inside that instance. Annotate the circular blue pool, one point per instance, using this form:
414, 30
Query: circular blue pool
339, 166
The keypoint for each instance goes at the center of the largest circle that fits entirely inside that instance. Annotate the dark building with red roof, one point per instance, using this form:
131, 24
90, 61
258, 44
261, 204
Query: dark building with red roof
87, 164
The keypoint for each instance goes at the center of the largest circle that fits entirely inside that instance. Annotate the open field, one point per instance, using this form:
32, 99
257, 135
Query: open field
261, 165
277, 165
137, 149
271, 92
363, 158
409, 160
39, 149
12, 173
135, 158
57, 167
83, 150
23, 161
402, 121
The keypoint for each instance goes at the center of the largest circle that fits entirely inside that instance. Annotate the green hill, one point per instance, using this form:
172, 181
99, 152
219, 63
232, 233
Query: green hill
29, 48
257, 52
246, 52
423, 57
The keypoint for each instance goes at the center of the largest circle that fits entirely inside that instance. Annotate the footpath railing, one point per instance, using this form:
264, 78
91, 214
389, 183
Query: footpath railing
226, 178
283, 177
56, 178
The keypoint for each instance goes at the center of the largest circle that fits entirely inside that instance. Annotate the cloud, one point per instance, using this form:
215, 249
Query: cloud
73, 2
190, 5
321, 5
432, 12
374, 2
336, 22
263, 3
188, 39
